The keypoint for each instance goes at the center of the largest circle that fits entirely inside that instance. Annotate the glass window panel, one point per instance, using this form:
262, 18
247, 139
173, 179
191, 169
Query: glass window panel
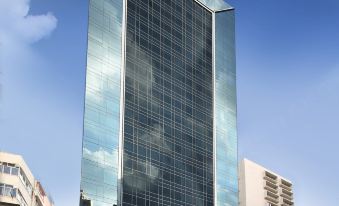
15, 171
226, 138
7, 169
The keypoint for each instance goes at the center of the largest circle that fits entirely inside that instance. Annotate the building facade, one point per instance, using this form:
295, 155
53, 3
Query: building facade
160, 104
259, 186
18, 187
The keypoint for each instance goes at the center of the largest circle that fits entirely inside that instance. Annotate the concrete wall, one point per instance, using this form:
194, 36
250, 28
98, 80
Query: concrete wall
252, 190
17, 182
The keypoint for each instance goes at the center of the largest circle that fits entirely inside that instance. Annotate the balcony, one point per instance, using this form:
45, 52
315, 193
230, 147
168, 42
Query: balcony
271, 200
272, 195
288, 197
270, 175
269, 179
271, 187
283, 204
286, 185
286, 202
286, 192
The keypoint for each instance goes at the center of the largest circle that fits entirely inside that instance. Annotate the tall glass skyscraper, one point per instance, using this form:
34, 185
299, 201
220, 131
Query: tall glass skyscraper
160, 104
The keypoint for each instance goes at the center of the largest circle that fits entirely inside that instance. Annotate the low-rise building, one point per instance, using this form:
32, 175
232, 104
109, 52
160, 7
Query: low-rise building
18, 187
259, 186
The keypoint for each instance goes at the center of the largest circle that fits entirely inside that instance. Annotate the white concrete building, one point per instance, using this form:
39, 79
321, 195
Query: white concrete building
259, 186
18, 187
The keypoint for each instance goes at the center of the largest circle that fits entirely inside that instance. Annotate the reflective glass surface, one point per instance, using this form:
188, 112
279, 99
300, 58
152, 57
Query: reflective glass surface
168, 104
102, 103
215, 5
225, 110
168, 120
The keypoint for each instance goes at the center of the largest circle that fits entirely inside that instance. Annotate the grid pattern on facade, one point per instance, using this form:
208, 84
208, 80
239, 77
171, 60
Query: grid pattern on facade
168, 117
99, 174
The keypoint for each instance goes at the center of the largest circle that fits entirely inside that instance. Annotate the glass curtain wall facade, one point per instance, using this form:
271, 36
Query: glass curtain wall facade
168, 136
100, 165
160, 104
225, 110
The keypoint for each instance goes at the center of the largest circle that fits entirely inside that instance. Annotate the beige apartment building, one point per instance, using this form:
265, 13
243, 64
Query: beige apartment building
259, 186
18, 187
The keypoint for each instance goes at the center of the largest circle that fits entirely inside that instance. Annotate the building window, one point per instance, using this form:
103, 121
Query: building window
25, 181
11, 169
8, 168
7, 190
15, 171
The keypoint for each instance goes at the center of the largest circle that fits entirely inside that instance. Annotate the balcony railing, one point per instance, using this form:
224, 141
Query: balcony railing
286, 183
271, 200
287, 202
272, 195
270, 175
273, 181
288, 197
284, 191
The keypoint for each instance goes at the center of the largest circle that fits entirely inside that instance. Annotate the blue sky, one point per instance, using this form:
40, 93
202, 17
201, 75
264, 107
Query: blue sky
288, 83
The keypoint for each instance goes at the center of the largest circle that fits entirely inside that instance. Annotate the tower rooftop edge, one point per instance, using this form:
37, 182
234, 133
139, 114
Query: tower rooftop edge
216, 5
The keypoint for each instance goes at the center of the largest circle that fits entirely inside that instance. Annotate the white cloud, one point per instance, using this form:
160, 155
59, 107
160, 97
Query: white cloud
18, 31
17, 26
102, 156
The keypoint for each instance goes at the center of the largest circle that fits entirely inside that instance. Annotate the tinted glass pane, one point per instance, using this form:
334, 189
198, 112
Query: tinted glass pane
15, 171
99, 177
169, 89
7, 170
225, 105
13, 192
